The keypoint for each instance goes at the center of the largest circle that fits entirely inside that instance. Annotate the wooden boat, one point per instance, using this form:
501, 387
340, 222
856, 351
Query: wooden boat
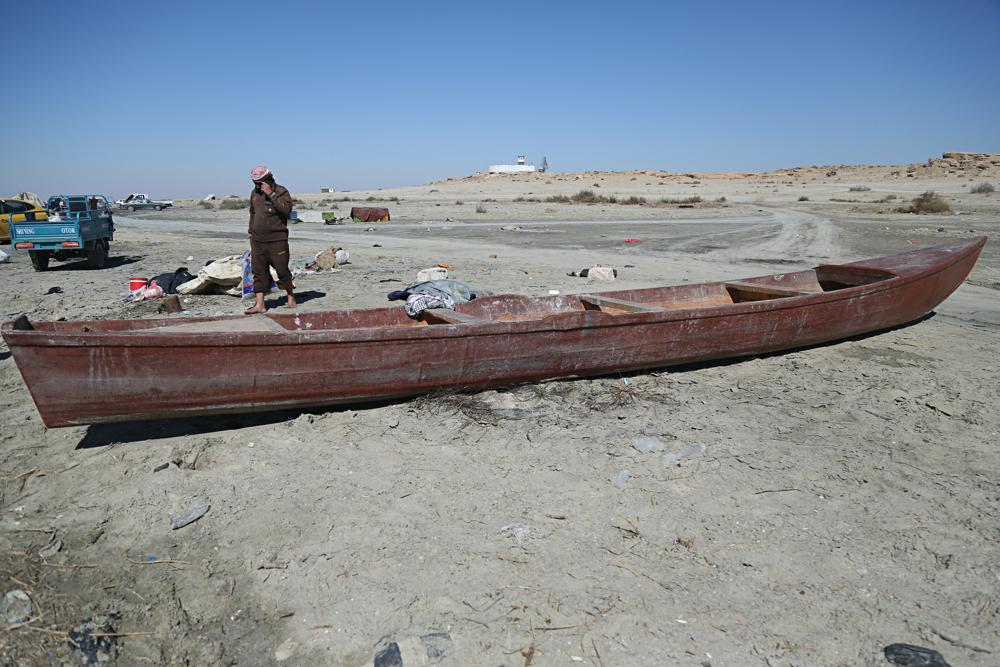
102, 371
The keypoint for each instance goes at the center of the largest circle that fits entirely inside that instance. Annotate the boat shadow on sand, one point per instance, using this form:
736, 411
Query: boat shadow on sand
102, 435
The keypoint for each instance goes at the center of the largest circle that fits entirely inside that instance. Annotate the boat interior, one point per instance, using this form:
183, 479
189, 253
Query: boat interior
507, 308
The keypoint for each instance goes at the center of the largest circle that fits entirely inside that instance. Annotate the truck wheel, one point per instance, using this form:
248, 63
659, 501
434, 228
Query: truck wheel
132, 208
97, 254
39, 259
159, 208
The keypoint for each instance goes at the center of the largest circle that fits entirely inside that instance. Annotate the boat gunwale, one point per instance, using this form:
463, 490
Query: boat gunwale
556, 321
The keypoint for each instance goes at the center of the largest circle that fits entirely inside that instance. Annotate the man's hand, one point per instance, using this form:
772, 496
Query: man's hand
266, 188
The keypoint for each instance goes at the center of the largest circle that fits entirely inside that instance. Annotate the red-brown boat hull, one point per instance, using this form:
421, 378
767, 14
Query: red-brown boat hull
102, 371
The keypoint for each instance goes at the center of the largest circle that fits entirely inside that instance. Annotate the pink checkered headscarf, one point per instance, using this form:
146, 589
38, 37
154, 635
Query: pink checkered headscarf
259, 173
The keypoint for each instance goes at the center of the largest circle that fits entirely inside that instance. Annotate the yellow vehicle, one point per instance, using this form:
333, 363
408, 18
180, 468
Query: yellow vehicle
15, 210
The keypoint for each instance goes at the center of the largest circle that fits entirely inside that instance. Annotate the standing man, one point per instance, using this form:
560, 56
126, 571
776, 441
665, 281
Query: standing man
270, 206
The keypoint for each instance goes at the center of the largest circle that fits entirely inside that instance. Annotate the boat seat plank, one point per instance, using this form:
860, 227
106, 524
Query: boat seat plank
446, 316
621, 304
768, 290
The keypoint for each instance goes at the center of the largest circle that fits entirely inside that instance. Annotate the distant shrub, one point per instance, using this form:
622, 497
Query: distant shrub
928, 202
557, 199
721, 200
803, 198
634, 201
586, 197
982, 189
206, 204
684, 200
459, 203
371, 198
234, 204
859, 188
480, 209
886, 199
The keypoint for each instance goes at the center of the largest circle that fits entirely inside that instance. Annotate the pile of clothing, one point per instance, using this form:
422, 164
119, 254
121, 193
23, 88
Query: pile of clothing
435, 294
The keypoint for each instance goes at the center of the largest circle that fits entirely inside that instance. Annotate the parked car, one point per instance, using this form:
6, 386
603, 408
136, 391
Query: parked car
17, 210
137, 201
75, 226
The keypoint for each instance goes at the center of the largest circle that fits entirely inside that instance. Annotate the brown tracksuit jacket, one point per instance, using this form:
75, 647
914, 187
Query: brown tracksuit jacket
269, 215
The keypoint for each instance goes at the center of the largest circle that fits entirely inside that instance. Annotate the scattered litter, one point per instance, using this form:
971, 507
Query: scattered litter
16, 607
427, 649
621, 479
647, 444
632, 240
55, 290
4, 257
189, 258
328, 260
913, 656
522, 532
433, 273
170, 304
376, 245
189, 517
605, 273
597, 272
94, 640
553, 292
52, 548
370, 229
152, 291
176, 462
285, 650
690, 450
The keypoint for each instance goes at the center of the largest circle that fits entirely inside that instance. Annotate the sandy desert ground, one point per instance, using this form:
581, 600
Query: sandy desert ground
839, 498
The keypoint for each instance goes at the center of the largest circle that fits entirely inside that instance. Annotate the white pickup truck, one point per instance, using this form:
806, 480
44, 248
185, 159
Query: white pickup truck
137, 201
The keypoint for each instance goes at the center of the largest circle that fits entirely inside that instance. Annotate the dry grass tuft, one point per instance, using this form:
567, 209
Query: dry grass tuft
234, 204
928, 202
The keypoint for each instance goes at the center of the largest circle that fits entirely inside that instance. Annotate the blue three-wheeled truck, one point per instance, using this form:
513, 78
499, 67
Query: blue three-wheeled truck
75, 226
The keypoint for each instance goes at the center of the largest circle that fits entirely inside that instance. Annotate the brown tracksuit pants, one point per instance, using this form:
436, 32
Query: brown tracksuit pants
267, 254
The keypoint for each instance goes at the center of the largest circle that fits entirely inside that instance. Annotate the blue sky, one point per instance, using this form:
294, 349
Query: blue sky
182, 98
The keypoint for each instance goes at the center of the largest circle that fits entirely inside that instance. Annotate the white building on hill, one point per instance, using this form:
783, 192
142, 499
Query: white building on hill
518, 168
